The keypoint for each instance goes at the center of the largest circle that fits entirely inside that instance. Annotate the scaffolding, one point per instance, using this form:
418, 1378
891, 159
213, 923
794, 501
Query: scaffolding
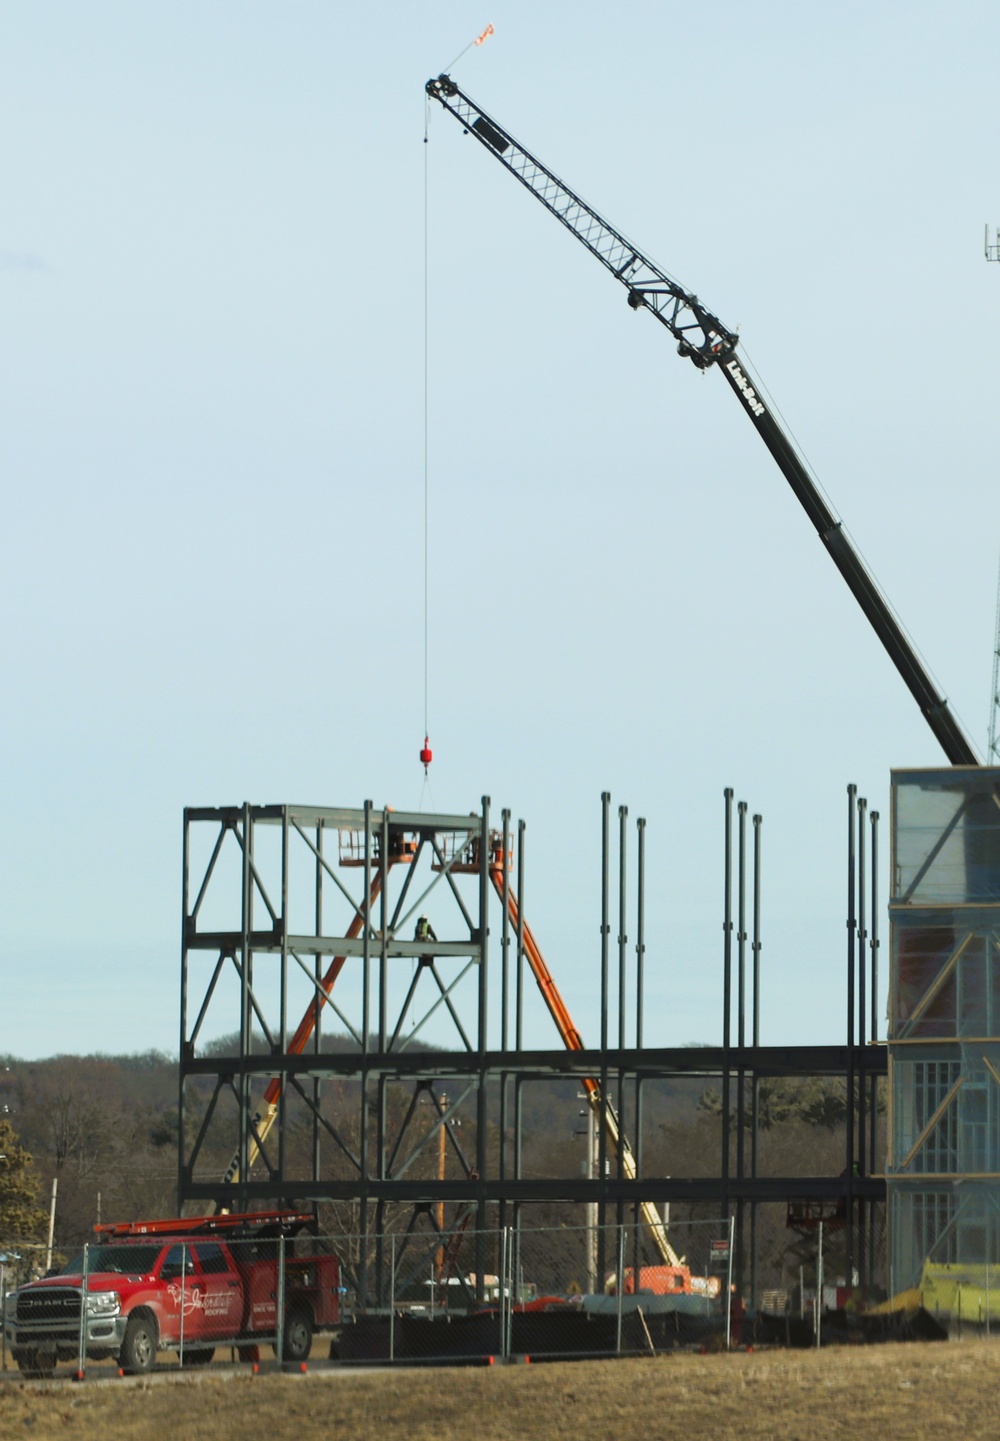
944, 1027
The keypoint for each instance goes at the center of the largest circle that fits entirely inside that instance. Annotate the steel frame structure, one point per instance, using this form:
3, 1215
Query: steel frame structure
286, 903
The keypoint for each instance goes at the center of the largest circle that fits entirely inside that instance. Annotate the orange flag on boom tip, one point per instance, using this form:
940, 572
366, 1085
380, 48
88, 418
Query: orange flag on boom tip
481, 40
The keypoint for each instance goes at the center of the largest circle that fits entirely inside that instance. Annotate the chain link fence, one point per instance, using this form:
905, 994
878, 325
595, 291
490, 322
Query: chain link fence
127, 1305
542, 1293
835, 1293
421, 1296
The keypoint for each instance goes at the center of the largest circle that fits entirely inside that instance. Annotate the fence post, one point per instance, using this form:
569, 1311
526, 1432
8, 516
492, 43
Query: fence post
392, 1299
84, 1288
183, 1296
729, 1285
3, 1315
516, 1268
279, 1320
819, 1287
618, 1287
505, 1297
514, 1283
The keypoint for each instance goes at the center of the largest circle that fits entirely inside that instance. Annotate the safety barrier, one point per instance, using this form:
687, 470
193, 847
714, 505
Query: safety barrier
421, 1296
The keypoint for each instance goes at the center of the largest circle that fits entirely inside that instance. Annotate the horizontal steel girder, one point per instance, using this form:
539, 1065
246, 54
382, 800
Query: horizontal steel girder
650, 1188
649, 1063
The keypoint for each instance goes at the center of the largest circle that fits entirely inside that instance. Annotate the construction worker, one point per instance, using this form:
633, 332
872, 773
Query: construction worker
424, 931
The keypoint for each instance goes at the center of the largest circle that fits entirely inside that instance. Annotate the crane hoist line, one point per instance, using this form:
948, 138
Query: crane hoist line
704, 340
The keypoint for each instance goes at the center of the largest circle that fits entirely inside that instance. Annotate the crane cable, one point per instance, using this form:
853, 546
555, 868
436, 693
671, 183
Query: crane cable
993, 744
479, 40
426, 754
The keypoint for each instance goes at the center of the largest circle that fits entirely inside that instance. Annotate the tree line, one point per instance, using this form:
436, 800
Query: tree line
105, 1128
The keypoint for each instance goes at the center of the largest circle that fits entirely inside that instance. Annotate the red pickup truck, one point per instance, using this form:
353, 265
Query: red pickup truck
185, 1285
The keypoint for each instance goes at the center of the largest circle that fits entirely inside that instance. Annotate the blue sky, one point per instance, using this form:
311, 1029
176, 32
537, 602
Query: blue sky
212, 292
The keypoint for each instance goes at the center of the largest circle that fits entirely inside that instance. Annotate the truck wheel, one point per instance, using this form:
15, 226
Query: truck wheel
139, 1346
298, 1336
36, 1363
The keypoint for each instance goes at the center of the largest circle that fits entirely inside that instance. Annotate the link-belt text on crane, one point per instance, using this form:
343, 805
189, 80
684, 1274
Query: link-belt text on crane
755, 406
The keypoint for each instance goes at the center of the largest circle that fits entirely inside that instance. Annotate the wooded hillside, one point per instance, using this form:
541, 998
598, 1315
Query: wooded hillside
106, 1127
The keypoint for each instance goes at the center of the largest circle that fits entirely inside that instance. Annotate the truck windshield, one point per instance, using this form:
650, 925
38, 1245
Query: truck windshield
130, 1260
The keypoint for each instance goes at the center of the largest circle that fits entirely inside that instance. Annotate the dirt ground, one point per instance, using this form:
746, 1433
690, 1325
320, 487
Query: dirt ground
882, 1392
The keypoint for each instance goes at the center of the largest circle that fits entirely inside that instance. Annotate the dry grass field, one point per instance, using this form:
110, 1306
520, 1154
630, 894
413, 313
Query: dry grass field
884, 1392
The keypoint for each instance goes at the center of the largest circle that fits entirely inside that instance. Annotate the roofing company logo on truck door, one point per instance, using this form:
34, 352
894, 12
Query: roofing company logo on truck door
222, 1289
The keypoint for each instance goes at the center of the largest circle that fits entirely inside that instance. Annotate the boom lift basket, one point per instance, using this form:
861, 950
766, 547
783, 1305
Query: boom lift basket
461, 857
807, 1215
402, 847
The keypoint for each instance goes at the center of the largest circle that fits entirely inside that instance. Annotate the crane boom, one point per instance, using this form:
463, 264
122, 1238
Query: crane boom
703, 339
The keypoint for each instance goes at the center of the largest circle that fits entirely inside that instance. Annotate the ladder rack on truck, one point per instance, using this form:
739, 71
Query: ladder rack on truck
247, 1221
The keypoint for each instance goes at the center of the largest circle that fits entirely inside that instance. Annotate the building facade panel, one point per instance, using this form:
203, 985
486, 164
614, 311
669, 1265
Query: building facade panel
943, 1171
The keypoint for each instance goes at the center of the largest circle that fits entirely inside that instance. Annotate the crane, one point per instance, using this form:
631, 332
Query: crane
704, 340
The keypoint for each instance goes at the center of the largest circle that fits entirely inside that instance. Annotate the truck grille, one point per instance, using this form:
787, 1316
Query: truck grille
55, 1303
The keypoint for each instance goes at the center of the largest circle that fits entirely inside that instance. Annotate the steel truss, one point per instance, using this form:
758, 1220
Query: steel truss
373, 925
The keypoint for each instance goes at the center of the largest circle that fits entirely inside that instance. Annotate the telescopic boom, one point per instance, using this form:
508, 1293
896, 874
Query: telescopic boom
703, 339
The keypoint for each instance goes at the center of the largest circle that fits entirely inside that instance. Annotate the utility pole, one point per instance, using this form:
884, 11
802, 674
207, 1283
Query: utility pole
993, 748
52, 1225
